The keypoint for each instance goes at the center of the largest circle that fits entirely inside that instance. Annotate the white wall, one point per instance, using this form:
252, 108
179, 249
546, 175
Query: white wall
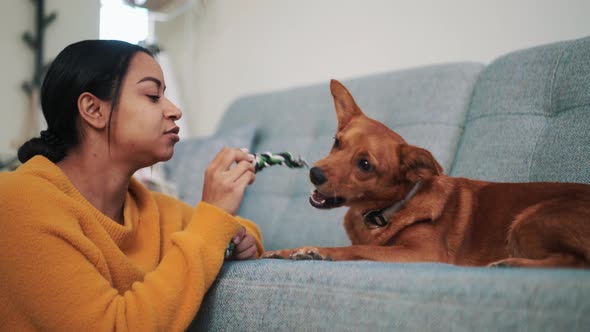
223, 49
75, 20
226, 48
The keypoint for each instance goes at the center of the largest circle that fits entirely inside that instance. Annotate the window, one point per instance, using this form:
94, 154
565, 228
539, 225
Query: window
123, 22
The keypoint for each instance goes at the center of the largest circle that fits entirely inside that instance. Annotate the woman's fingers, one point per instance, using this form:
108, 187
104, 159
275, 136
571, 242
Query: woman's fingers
245, 179
239, 170
228, 156
224, 185
245, 245
249, 253
239, 235
246, 248
246, 242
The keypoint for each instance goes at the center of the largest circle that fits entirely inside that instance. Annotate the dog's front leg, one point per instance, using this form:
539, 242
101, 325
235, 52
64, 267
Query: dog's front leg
359, 252
301, 253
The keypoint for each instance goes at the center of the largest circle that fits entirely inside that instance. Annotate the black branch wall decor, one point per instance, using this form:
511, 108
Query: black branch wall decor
36, 42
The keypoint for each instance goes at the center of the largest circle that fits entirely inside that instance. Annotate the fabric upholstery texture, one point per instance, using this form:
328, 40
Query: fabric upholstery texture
372, 296
523, 117
530, 117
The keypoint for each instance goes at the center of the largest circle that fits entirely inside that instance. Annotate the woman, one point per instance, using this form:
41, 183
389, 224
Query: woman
84, 246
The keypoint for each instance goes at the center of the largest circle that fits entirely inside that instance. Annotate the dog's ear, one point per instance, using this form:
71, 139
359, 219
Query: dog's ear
346, 107
417, 163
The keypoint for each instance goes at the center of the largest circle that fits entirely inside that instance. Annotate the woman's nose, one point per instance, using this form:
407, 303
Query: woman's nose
172, 111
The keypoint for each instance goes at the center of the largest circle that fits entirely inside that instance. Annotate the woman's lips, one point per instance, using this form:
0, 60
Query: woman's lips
173, 133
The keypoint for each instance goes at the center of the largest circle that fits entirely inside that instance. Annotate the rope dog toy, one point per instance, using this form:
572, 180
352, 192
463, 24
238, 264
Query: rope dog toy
229, 250
266, 159
262, 161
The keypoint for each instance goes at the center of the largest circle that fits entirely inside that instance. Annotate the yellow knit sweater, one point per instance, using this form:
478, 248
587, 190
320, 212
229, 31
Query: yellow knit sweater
65, 266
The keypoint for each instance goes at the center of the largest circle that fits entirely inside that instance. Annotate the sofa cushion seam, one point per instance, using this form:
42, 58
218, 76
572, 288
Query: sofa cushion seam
554, 75
549, 113
463, 125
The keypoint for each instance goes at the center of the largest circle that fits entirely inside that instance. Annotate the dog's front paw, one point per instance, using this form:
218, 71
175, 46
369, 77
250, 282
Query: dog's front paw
307, 253
508, 262
302, 253
276, 254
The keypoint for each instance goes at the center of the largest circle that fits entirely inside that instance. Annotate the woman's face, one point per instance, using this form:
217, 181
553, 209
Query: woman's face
143, 129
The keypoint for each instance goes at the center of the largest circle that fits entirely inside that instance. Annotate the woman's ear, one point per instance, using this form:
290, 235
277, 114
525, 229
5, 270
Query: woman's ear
93, 111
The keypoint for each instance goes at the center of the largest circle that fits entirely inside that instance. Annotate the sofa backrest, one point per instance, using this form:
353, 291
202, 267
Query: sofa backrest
426, 105
529, 118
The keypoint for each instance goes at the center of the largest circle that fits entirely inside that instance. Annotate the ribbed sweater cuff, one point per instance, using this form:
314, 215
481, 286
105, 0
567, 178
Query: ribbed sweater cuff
213, 224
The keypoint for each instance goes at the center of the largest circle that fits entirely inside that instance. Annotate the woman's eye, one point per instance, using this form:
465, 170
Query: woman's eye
364, 165
154, 98
336, 143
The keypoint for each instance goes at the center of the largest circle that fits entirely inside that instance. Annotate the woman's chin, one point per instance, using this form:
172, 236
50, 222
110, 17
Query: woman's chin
167, 155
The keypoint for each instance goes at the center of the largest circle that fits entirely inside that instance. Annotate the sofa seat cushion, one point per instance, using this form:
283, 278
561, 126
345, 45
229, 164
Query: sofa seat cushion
277, 295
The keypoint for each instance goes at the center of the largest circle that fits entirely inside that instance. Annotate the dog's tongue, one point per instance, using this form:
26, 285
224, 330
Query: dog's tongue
317, 198
320, 201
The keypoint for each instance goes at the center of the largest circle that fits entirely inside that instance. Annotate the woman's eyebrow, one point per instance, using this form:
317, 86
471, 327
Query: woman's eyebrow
151, 79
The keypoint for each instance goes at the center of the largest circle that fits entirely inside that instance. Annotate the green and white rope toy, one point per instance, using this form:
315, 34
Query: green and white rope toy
229, 250
262, 161
266, 159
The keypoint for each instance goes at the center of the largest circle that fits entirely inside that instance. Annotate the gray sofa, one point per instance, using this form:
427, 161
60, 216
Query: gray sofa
523, 117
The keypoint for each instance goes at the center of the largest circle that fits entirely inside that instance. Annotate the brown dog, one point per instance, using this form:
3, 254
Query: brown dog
404, 209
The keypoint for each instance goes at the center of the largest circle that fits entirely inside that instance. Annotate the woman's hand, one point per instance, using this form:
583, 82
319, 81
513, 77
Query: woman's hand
224, 185
245, 246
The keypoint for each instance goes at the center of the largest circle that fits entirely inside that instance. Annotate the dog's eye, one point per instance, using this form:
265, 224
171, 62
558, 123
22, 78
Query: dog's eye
336, 143
364, 165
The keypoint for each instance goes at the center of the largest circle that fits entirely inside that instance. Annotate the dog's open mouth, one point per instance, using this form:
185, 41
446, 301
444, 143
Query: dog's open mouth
320, 201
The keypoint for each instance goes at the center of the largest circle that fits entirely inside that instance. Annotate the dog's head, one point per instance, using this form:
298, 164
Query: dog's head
369, 164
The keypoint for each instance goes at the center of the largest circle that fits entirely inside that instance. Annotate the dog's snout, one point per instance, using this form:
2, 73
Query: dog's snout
316, 176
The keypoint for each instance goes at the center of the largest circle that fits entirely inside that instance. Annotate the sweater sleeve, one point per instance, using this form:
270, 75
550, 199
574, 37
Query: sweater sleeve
52, 279
251, 227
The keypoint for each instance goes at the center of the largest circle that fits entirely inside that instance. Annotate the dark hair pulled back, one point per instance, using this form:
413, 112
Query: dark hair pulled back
94, 66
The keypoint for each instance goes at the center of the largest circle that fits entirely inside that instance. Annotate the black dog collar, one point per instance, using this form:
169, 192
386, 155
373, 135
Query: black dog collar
380, 218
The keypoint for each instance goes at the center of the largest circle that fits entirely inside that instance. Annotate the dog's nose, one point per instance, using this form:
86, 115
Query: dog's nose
316, 176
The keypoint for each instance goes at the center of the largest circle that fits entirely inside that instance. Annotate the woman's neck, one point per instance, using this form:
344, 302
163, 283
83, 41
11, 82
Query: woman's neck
99, 180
